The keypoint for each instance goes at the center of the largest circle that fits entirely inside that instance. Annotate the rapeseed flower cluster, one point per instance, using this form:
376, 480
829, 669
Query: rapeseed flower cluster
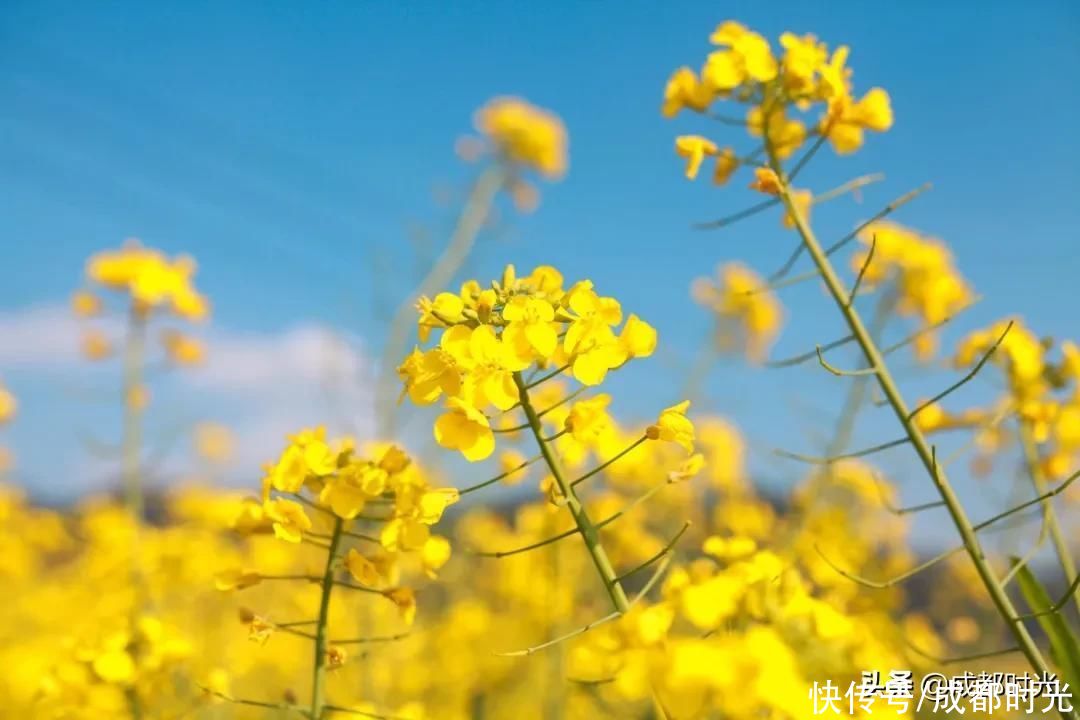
777, 89
328, 593
154, 286
490, 339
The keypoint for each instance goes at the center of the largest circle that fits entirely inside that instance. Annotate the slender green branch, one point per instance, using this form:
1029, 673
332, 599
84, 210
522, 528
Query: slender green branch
251, 703
896, 579
1070, 592
862, 271
581, 518
737, 216
359, 588
879, 484
666, 550
880, 215
837, 371
780, 284
818, 349
555, 436
574, 530
1045, 497
1021, 563
543, 379
318, 682
784, 269
900, 344
500, 476
541, 413
964, 380
361, 536
498, 554
360, 713
961, 658
370, 640
603, 466
830, 459
595, 623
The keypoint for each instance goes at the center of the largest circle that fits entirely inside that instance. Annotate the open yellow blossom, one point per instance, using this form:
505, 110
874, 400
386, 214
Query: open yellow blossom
363, 570
492, 361
466, 429
846, 120
804, 56
674, 426
434, 503
344, 498
744, 70
445, 309
531, 324
589, 419
151, 279
694, 148
434, 555
525, 134
590, 338
638, 338
745, 56
290, 522
685, 91
726, 165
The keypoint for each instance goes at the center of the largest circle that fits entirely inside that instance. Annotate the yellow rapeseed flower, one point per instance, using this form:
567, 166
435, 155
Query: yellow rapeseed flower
524, 134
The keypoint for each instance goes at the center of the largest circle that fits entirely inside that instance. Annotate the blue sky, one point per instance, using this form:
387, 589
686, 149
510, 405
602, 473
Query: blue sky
286, 145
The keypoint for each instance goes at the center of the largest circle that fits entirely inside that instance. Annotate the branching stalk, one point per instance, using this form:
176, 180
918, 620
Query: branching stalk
318, 681
584, 524
895, 400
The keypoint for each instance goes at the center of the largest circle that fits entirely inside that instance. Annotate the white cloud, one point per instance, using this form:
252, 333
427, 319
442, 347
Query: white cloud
264, 385
39, 336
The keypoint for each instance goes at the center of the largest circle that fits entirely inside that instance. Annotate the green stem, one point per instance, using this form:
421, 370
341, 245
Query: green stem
925, 453
472, 218
134, 350
1038, 480
318, 682
588, 530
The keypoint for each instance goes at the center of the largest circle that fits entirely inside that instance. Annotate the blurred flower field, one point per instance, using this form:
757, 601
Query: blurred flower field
634, 570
